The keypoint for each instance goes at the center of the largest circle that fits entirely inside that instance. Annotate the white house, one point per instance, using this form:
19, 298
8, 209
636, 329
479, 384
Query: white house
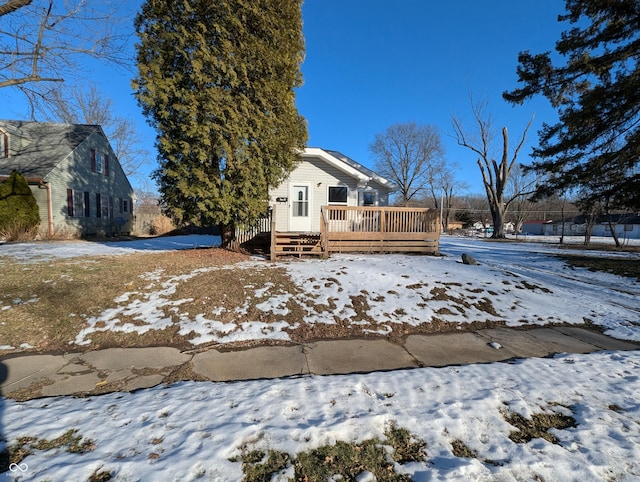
325, 177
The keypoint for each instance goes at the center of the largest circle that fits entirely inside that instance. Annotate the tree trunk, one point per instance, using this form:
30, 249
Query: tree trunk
228, 236
497, 215
612, 229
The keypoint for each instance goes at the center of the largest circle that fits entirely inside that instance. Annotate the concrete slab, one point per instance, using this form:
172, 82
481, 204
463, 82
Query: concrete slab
453, 349
146, 381
23, 371
352, 356
520, 343
561, 343
120, 358
603, 342
67, 385
259, 362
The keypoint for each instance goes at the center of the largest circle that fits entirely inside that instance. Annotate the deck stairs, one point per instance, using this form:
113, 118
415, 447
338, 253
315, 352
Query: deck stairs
297, 244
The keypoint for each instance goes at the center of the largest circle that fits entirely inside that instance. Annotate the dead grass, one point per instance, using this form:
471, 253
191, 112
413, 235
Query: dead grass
25, 446
340, 461
48, 301
626, 267
45, 305
538, 425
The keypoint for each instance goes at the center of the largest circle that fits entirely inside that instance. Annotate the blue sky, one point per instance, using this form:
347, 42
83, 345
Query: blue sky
373, 63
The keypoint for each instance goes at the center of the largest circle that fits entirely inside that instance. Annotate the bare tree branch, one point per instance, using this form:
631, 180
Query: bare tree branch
43, 42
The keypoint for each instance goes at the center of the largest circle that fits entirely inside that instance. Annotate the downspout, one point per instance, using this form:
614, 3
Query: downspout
49, 208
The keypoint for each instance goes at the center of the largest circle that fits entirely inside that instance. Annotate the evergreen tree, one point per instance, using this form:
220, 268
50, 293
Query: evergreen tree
18, 207
216, 79
596, 142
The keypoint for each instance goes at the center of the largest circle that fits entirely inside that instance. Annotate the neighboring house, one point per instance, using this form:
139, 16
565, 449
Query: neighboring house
536, 226
626, 225
73, 173
325, 178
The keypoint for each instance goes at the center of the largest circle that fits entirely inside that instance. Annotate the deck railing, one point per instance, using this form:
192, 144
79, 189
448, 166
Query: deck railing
367, 228
383, 219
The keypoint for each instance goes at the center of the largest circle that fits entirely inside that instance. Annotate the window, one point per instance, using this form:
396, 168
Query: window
98, 206
628, 227
367, 198
99, 165
106, 165
78, 203
301, 201
110, 207
4, 144
338, 194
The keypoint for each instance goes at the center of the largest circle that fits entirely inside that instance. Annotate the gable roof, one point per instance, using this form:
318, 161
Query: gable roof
36, 148
348, 166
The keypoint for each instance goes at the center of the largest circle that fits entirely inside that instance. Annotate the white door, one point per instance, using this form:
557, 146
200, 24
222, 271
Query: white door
300, 219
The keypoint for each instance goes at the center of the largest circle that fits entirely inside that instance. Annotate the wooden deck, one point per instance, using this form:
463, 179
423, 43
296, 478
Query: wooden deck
363, 229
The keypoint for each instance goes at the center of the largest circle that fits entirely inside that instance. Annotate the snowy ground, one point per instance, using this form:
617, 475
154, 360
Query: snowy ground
188, 431
516, 283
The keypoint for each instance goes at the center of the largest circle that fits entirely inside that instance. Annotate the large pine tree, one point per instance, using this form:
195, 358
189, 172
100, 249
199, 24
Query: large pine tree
595, 86
216, 80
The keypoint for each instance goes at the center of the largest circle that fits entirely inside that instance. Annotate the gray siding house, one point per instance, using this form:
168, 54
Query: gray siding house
74, 175
325, 178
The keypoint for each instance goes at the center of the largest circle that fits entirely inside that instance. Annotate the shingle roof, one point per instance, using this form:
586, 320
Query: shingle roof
41, 146
356, 165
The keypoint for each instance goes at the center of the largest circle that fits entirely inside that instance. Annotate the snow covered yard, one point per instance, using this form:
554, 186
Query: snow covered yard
193, 430
516, 284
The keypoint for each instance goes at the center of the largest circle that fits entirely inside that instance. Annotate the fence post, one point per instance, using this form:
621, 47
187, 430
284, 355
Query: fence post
272, 246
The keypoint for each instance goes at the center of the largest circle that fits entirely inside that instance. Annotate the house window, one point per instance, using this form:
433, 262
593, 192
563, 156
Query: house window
338, 194
125, 206
628, 227
99, 165
102, 206
4, 144
368, 198
78, 203
106, 165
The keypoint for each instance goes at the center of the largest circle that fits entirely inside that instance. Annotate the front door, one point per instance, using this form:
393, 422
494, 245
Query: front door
300, 208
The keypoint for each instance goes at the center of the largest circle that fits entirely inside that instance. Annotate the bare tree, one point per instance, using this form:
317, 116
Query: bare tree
444, 189
522, 183
42, 41
408, 154
495, 175
77, 106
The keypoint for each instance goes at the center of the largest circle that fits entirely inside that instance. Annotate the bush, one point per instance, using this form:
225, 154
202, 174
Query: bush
18, 207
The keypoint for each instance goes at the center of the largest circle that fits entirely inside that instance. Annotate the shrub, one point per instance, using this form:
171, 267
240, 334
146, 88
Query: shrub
18, 207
